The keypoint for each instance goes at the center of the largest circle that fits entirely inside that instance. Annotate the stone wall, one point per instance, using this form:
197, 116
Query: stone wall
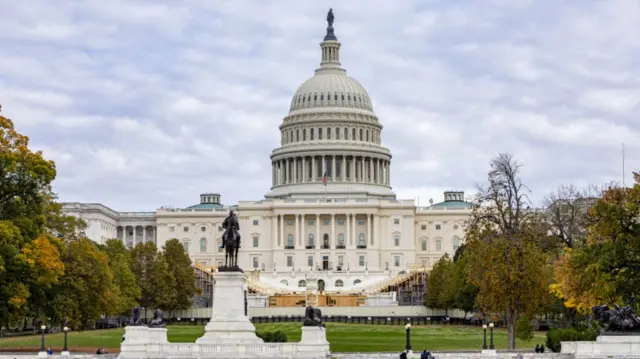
436, 355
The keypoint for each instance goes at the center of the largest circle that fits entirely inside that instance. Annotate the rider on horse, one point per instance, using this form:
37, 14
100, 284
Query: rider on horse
231, 223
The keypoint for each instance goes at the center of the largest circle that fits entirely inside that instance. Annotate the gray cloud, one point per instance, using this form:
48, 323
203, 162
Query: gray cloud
143, 105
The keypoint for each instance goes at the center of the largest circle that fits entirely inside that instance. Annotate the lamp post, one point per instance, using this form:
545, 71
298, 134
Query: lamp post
65, 350
407, 329
484, 328
43, 351
491, 336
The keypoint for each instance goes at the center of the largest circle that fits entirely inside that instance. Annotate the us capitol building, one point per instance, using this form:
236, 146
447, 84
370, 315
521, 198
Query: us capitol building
330, 221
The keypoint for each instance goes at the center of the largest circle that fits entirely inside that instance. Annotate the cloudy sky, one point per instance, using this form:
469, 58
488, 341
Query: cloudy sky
148, 103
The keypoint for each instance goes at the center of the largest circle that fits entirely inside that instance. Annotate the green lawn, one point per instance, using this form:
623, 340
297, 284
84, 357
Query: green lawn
342, 337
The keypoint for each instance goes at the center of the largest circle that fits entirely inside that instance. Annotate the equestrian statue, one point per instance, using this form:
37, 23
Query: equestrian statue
231, 243
617, 319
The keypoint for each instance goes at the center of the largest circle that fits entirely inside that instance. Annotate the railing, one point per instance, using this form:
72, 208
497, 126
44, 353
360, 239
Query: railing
233, 350
361, 246
289, 247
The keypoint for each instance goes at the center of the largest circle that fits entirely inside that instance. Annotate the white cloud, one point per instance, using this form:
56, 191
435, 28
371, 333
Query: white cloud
143, 105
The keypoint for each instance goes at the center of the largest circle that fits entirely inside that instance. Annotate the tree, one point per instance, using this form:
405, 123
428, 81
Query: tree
441, 288
183, 278
524, 329
29, 258
605, 270
127, 290
86, 291
505, 260
466, 293
152, 276
567, 215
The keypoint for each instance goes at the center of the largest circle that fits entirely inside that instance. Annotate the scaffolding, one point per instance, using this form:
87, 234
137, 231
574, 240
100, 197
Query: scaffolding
410, 287
204, 282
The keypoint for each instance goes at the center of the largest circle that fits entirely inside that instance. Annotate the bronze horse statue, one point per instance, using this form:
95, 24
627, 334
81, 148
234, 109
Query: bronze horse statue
231, 240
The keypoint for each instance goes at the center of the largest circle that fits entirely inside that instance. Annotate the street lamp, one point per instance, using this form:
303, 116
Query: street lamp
407, 328
491, 336
65, 350
484, 328
42, 329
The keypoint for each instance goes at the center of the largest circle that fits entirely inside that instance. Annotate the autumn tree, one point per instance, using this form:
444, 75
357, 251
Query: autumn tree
183, 278
505, 260
566, 214
605, 270
441, 288
465, 292
119, 260
29, 257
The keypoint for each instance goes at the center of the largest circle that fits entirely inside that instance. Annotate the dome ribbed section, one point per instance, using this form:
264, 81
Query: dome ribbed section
328, 89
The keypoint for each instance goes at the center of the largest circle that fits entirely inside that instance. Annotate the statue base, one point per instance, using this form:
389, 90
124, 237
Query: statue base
229, 324
313, 342
42, 354
230, 269
137, 340
65, 353
605, 346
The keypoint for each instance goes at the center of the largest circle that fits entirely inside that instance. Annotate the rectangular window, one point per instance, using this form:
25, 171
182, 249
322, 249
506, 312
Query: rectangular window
341, 222
290, 222
396, 221
255, 241
328, 133
438, 227
310, 261
255, 262
310, 222
361, 222
172, 229
255, 222
326, 222
319, 133
186, 229
340, 260
438, 245
396, 241
423, 227
289, 261
361, 261
424, 244
396, 261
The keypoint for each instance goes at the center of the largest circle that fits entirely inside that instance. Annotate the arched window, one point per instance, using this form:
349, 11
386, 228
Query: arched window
339, 283
367, 135
284, 282
297, 135
290, 241
255, 262
302, 283
357, 281
361, 240
203, 245
353, 133
320, 133
361, 136
337, 133
310, 240
304, 134
325, 241
341, 239
311, 135
320, 285
346, 133
328, 133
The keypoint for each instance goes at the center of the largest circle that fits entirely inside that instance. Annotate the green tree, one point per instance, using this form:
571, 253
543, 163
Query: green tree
183, 278
524, 329
466, 293
150, 269
505, 260
441, 288
125, 286
86, 291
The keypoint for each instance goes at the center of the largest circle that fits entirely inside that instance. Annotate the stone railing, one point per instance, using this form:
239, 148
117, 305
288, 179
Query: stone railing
470, 355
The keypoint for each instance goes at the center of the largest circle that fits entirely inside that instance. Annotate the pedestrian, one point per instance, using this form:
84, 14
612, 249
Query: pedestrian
403, 355
541, 348
537, 349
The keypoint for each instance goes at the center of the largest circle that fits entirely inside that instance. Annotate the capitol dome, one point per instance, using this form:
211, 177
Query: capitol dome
331, 139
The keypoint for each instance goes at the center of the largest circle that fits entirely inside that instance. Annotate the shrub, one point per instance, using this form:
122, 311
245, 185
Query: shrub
557, 335
524, 329
277, 336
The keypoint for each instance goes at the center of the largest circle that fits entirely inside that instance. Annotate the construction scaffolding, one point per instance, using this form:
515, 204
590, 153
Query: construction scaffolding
410, 287
204, 282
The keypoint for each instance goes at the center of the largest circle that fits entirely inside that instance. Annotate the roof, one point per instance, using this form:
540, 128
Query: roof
452, 205
206, 206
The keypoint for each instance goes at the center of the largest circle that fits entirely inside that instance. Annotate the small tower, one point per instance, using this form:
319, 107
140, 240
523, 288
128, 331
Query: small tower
210, 198
450, 196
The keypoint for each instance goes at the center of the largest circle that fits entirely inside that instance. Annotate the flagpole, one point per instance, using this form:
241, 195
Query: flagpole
623, 164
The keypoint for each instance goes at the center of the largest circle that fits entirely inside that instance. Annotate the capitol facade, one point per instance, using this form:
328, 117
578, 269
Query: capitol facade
330, 217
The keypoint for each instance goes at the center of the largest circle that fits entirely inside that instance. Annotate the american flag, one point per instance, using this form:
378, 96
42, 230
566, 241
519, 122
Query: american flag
324, 179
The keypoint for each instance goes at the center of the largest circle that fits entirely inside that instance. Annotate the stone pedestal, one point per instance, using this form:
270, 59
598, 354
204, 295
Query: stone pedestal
605, 346
313, 343
229, 324
138, 340
42, 354
492, 352
65, 353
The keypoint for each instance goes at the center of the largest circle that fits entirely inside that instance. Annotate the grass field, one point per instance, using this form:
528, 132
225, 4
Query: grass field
342, 337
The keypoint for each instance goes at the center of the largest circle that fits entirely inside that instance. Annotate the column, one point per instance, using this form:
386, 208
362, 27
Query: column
333, 168
275, 241
315, 243
281, 229
324, 165
347, 235
389, 173
295, 173
304, 169
343, 172
135, 236
353, 229
314, 169
155, 235
371, 170
144, 234
303, 234
352, 164
375, 229
368, 223
296, 236
362, 171
332, 236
